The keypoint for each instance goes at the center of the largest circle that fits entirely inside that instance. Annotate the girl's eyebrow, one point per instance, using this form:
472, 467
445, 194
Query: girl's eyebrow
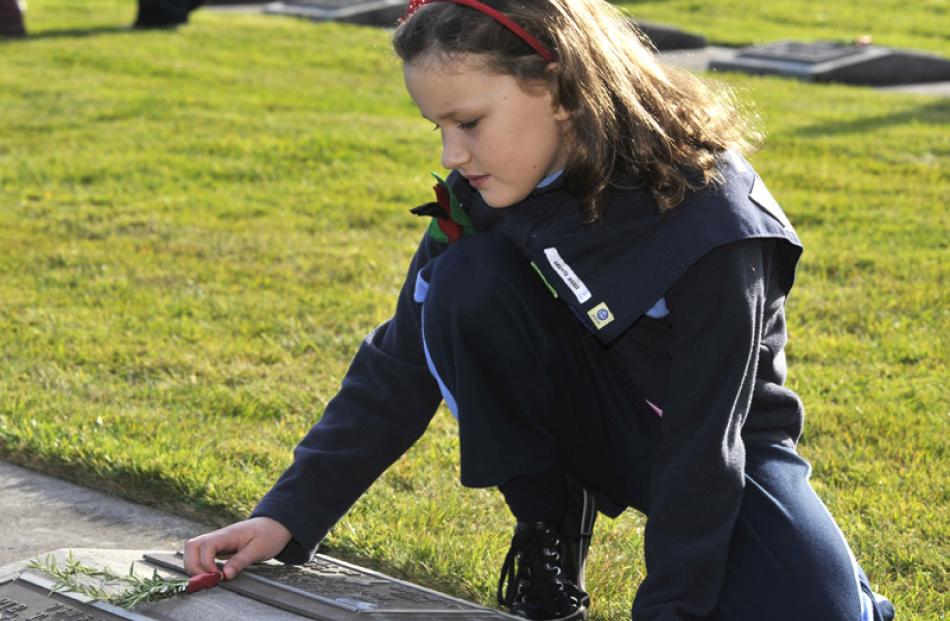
454, 113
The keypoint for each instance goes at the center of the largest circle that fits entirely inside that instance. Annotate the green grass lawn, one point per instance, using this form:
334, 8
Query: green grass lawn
198, 227
921, 24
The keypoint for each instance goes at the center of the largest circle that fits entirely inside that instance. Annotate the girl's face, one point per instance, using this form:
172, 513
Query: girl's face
503, 139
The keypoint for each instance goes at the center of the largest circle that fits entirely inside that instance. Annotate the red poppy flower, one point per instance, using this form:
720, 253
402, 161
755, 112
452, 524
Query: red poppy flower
207, 580
447, 225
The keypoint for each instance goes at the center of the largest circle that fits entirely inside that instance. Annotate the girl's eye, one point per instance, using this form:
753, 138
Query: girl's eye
465, 125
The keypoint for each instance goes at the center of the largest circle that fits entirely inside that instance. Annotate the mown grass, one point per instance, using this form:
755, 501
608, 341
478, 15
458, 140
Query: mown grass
197, 227
922, 25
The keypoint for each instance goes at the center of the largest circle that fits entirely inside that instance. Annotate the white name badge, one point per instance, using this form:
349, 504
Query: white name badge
572, 280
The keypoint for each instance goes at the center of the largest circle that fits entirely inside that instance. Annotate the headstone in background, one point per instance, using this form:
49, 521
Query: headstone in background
383, 13
164, 13
386, 13
324, 590
869, 65
11, 19
665, 38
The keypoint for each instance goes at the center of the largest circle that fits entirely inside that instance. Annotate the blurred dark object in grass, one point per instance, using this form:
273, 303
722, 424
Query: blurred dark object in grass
665, 38
11, 19
164, 13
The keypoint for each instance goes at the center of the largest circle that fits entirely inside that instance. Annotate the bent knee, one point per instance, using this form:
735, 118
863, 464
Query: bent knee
474, 273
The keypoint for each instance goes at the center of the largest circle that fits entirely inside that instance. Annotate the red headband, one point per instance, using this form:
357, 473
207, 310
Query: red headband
502, 19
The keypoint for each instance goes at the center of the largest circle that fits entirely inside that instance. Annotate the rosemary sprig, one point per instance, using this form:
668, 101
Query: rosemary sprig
103, 585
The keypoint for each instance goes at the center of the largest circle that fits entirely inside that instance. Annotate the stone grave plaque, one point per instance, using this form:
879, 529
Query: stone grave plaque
327, 589
324, 590
25, 598
323, 5
366, 12
824, 61
805, 53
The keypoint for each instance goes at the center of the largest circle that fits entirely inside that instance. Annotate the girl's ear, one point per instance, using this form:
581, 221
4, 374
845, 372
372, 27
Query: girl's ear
560, 113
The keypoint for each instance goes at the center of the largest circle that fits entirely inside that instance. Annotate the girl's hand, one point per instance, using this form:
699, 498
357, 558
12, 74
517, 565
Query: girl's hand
256, 539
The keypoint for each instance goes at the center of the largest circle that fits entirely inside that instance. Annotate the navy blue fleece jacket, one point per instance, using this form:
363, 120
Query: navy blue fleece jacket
724, 261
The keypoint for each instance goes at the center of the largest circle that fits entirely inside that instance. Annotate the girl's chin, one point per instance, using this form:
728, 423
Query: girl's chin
501, 205
500, 201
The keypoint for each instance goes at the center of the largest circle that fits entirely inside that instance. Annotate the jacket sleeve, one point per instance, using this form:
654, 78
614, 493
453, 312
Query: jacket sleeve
385, 403
716, 311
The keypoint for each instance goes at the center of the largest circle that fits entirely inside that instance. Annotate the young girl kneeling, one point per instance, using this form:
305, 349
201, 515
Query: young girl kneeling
599, 299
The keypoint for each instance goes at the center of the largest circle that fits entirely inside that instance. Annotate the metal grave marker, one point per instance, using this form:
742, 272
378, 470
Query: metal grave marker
28, 598
367, 12
333, 590
825, 61
325, 589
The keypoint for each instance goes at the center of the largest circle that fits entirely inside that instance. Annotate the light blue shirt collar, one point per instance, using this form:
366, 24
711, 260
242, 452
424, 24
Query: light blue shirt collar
550, 179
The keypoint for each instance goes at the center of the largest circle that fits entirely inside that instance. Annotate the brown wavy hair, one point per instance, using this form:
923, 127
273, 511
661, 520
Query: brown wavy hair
666, 126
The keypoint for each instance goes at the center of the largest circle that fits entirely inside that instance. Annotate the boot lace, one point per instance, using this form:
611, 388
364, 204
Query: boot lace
531, 583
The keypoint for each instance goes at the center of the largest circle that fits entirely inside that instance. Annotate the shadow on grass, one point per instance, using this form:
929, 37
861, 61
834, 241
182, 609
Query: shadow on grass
76, 33
931, 113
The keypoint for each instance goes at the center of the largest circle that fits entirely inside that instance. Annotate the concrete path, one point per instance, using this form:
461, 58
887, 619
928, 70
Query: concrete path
39, 514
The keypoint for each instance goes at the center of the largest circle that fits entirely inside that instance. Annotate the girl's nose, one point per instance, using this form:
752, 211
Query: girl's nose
454, 154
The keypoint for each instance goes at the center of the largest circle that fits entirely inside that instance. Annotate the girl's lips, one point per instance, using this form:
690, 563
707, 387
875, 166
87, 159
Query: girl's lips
477, 180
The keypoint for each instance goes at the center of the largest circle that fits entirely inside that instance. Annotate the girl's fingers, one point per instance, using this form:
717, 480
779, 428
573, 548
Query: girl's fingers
249, 541
201, 551
190, 557
244, 557
266, 538
207, 553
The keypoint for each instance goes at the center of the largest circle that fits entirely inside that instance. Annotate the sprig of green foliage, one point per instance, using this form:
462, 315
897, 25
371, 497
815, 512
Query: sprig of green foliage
103, 585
